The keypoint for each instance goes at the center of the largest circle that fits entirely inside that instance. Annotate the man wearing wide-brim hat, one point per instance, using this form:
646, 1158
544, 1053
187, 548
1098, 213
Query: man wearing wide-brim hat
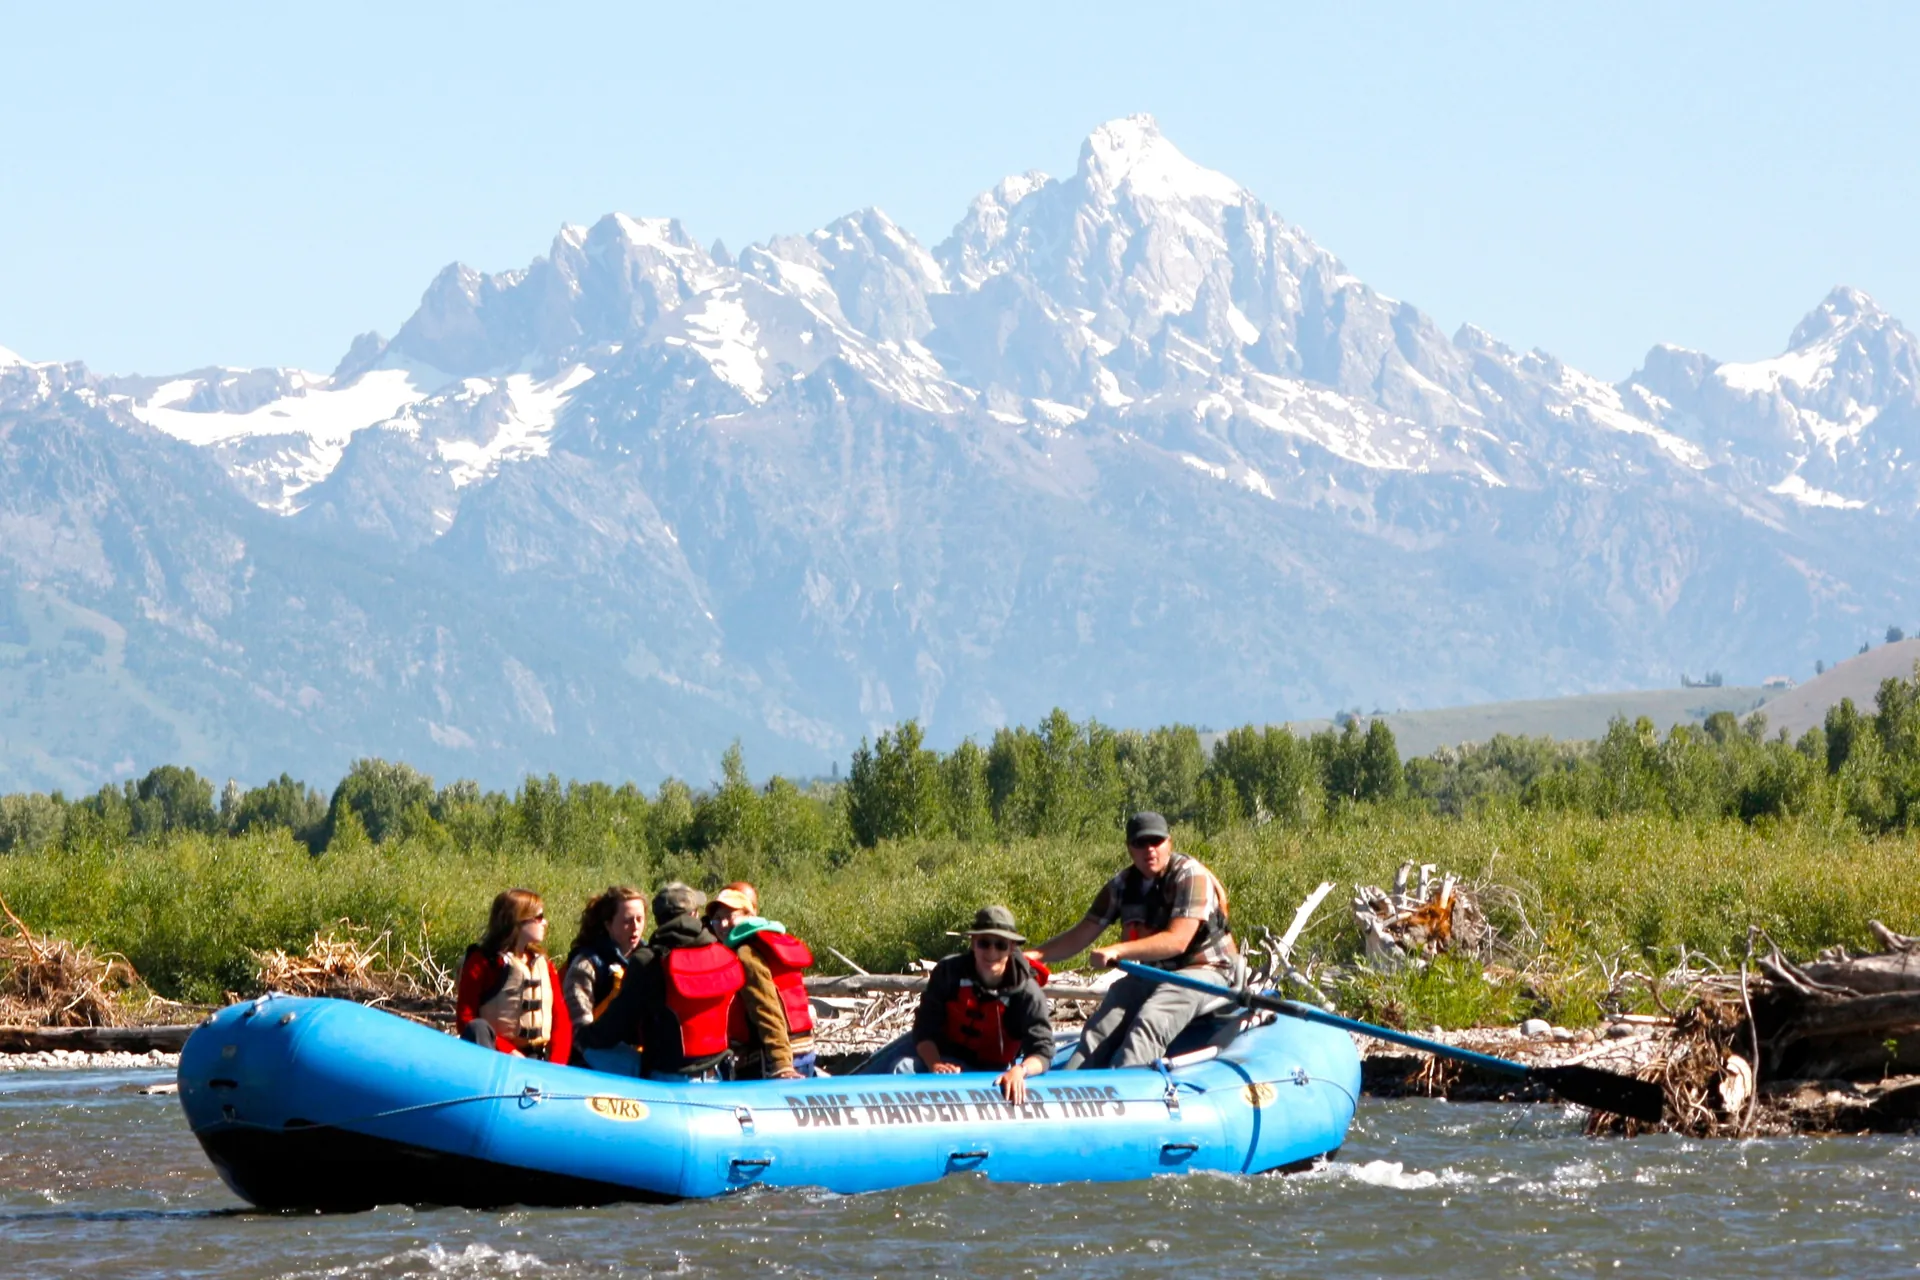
982, 1011
1172, 914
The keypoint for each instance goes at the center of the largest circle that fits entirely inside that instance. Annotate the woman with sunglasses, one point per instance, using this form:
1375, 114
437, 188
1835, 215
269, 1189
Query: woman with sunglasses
508, 997
982, 1011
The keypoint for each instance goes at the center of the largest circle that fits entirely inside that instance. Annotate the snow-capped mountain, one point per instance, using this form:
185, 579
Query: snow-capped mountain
1833, 422
1126, 441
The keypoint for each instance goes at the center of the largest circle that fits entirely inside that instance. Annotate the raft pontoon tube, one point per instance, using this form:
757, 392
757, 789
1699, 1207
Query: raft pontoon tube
326, 1104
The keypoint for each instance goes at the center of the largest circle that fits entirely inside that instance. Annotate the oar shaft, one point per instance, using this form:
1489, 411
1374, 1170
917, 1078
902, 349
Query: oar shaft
1307, 1013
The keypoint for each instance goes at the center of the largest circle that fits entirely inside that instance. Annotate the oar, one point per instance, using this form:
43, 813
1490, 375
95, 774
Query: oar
1588, 1086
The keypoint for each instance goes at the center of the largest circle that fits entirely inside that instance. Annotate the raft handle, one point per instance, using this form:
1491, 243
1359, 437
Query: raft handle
742, 1169
745, 1116
968, 1157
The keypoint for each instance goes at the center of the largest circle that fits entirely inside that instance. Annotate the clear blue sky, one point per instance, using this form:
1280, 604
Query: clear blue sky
254, 184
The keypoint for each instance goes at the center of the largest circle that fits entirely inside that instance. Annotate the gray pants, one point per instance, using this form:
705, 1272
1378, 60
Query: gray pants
1138, 1020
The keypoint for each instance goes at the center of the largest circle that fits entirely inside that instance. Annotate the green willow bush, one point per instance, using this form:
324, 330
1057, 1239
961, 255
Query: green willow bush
1634, 843
189, 910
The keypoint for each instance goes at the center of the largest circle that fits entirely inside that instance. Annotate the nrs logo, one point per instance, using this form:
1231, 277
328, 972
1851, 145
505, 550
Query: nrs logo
618, 1108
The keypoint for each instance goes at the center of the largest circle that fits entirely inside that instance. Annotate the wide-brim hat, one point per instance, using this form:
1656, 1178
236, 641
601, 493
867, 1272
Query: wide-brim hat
992, 922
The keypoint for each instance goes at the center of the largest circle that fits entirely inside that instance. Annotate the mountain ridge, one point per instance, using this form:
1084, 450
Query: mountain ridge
1126, 441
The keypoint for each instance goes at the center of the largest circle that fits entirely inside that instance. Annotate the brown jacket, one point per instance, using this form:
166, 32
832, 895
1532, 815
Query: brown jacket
770, 1050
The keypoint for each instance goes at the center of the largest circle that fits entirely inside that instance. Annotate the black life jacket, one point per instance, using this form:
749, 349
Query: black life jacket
1148, 909
609, 973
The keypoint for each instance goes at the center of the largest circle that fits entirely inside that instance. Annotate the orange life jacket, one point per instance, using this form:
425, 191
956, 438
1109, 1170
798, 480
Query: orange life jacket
976, 1023
786, 956
700, 982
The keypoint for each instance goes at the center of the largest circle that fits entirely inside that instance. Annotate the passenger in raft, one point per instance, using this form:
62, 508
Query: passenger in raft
982, 1011
613, 928
1172, 914
770, 1027
508, 997
676, 1003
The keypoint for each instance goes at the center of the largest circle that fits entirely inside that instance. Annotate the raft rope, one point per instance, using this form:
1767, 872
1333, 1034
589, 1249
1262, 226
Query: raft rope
532, 1095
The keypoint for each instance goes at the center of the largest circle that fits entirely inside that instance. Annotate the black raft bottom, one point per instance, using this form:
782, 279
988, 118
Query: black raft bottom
328, 1170
336, 1171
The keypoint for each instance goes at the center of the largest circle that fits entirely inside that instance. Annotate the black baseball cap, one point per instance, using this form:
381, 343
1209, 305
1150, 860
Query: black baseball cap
1142, 825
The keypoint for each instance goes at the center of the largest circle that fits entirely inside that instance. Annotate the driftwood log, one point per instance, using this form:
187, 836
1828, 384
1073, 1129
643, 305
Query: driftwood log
1842, 1016
1417, 920
1828, 1046
167, 1039
873, 984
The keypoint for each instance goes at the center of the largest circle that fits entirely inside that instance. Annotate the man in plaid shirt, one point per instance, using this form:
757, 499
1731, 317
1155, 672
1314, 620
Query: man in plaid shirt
1172, 914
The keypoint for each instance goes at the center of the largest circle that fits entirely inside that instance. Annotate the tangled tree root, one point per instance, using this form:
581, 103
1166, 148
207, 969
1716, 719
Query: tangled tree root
351, 962
49, 982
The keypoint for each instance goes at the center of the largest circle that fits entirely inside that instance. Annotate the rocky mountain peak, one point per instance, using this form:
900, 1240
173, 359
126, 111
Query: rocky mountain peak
1843, 309
1130, 155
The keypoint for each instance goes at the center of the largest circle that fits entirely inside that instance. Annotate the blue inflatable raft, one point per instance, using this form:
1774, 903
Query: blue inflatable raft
324, 1104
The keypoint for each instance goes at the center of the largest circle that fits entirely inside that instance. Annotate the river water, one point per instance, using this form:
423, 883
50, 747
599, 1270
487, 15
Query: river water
98, 1180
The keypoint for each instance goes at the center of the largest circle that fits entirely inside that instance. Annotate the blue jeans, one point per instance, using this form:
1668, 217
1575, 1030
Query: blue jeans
710, 1076
615, 1060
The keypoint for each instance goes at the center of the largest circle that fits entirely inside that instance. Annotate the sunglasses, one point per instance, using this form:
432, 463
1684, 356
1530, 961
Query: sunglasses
1146, 842
535, 918
992, 944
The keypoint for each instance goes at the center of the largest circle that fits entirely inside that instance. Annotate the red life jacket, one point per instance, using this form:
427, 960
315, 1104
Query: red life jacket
786, 956
700, 983
976, 1024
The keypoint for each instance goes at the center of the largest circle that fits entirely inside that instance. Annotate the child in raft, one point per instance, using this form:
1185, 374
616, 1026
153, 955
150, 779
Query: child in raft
607, 949
508, 997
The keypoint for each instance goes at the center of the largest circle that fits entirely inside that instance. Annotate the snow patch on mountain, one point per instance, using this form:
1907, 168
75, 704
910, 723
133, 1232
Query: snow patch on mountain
1797, 488
1603, 406
1810, 367
9, 358
326, 414
721, 332
520, 427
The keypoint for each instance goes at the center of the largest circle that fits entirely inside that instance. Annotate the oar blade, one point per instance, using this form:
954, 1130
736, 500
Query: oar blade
1642, 1100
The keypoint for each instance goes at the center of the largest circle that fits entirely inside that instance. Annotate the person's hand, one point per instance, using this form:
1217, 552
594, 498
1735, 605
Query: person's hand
1103, 957
1013, 1084
788, 1074
1033, 957
945, 1068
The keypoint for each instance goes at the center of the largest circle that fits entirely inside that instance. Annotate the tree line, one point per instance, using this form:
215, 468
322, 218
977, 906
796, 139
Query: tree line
1061, 778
